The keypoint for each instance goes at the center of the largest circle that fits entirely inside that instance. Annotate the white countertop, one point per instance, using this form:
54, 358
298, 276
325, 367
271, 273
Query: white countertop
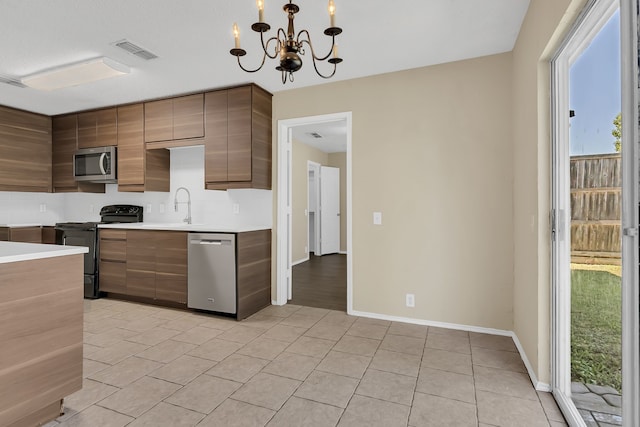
23, 225
15, 251
198, 228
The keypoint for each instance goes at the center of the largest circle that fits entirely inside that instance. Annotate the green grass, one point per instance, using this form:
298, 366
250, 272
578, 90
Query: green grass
596, 328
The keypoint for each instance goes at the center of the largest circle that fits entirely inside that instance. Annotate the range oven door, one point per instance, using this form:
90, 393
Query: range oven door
85, 238
88, 238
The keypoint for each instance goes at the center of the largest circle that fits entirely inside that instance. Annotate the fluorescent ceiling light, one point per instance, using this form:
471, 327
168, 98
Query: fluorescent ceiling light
76, 74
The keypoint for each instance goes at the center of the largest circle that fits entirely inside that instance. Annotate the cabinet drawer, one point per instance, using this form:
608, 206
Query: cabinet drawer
113, 234
26, 234
113, 277
141, 283
113, 250
171, 287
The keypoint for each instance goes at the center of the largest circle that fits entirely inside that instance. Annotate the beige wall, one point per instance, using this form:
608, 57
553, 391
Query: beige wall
457, 158
432, 151
544, 26
301, 153
339, 160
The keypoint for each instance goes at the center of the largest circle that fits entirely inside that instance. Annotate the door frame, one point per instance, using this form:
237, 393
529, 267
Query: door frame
630, 176
595, 14
284, 196
316, 222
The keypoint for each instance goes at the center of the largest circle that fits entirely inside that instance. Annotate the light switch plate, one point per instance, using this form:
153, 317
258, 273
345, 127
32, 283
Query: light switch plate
377, 218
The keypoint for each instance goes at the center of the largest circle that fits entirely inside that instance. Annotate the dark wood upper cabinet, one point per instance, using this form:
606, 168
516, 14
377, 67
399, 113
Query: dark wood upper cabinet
25, 151
139, 169
65, 144
216, 140
188, 116
238, 138
234, 125
158, 120
174, 118
97, 128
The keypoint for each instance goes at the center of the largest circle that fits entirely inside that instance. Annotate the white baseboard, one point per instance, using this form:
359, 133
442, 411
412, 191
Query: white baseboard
432, 323
540, 386
300, 261
342, 252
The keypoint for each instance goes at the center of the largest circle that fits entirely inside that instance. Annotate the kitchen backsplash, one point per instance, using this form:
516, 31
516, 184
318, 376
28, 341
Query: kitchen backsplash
229, 208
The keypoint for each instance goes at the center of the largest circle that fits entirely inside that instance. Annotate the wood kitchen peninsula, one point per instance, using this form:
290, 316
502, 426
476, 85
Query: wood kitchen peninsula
41, 317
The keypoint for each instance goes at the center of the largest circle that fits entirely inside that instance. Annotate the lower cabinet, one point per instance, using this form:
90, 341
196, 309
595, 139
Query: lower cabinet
21, 234
147, 264
113, 261
152, 265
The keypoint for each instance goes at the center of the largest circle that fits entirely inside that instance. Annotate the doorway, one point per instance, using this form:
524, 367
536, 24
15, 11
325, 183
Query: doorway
595, 221
293, 214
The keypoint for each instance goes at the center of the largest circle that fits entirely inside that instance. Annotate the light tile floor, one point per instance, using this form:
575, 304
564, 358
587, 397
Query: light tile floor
294, 366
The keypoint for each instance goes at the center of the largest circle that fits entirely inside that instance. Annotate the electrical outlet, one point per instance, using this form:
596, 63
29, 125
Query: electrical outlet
161, 208
411, 300
148, 207
377, 218
43, 207
236, 208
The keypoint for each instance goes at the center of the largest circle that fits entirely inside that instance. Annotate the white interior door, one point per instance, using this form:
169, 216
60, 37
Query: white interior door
329, 210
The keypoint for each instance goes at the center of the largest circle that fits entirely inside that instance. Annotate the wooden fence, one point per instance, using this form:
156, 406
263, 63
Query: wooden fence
596, 183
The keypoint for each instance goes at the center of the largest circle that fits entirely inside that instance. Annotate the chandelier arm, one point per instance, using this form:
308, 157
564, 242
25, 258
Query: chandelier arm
265, 46
319, 73
313, 53
264, 57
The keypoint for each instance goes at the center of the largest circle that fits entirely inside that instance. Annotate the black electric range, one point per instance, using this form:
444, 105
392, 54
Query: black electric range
86, 234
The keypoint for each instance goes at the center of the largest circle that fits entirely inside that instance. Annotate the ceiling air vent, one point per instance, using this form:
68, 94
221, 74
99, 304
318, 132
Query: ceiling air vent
315, 135
135, 50
11, 81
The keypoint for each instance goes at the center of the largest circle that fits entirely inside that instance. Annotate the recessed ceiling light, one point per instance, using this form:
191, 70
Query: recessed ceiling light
76, 74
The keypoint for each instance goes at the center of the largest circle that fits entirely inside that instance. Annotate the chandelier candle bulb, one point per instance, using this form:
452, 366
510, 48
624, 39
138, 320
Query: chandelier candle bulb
332, 13
260, 4
236, 35
335, 50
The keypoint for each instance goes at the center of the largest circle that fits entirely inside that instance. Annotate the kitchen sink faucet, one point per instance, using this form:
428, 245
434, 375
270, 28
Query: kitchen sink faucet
188, 202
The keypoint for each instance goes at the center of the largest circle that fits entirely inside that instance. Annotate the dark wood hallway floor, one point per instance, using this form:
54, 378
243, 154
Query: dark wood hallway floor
321, 282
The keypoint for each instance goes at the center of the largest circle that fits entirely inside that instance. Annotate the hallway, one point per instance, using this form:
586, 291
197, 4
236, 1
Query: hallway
321, 282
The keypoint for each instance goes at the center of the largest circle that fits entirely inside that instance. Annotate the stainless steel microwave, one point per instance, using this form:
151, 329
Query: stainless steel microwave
95, 164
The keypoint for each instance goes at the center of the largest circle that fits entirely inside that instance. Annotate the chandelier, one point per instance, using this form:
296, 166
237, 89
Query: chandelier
289, 46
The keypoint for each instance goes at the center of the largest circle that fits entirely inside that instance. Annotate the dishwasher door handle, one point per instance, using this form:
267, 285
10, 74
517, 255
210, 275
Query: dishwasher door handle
211, 242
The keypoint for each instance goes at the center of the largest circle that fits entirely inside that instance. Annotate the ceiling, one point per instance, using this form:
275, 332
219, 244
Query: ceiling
330, 137
192, 39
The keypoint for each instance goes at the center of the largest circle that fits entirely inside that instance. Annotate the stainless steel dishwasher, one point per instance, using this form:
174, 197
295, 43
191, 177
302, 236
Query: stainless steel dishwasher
212, 272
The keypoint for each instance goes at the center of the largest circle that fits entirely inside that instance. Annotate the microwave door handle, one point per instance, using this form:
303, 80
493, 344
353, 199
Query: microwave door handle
101, 163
